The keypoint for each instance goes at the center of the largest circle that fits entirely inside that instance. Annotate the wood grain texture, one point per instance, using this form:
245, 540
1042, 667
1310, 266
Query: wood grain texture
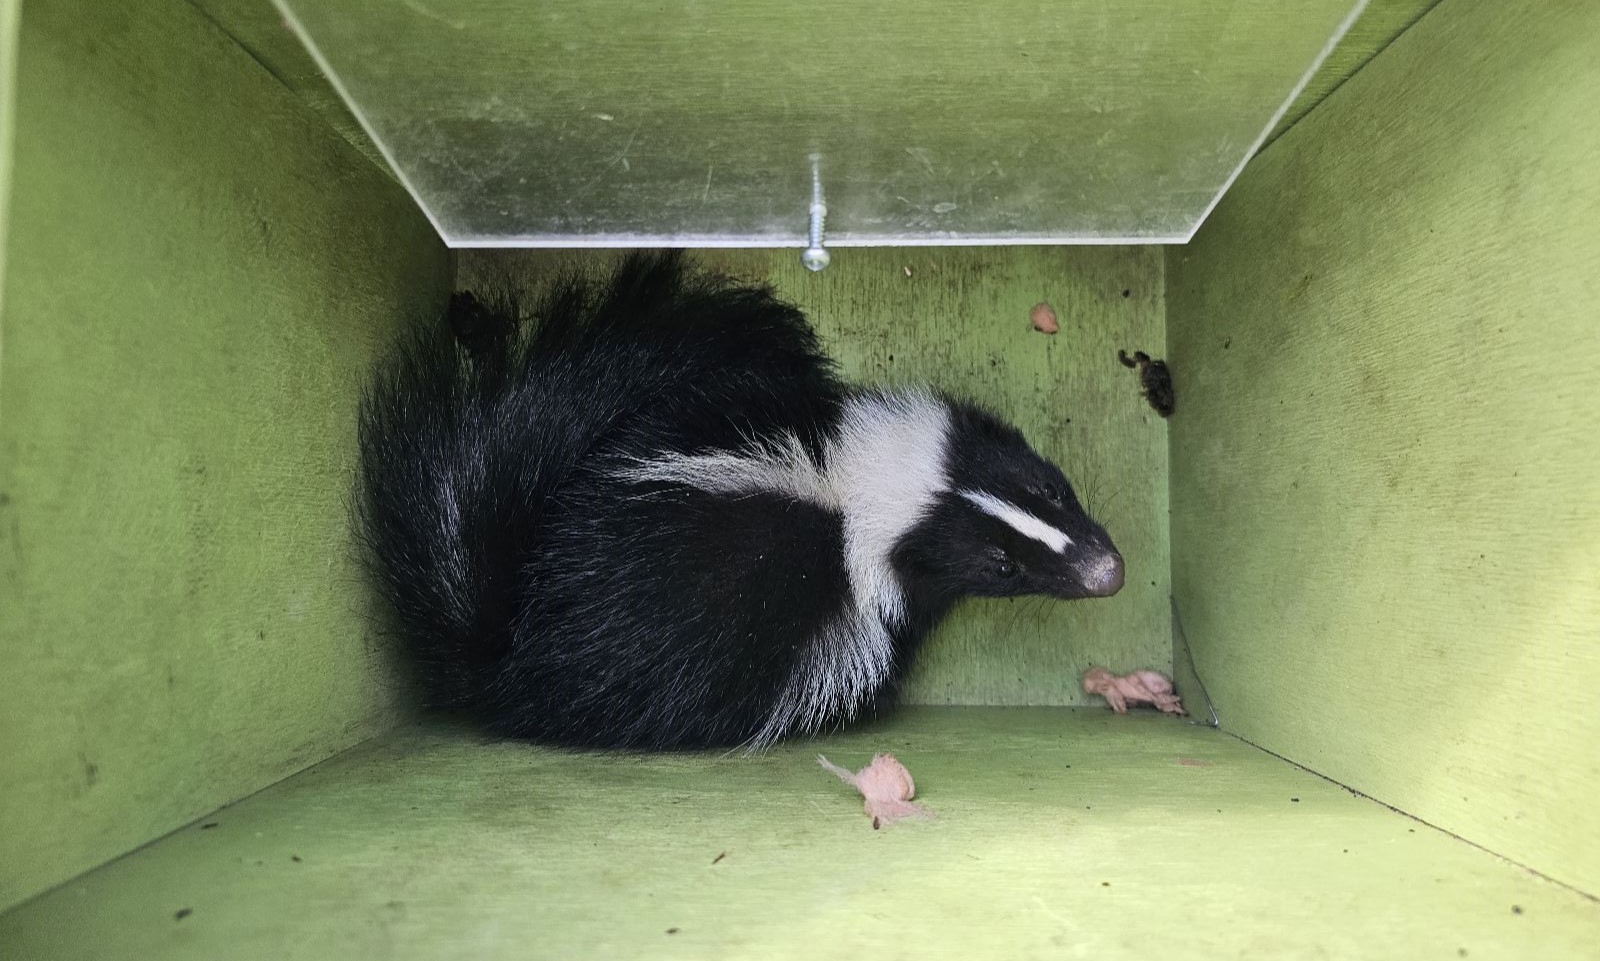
1386, 497
258, 27
960, 322
1058, 833
1376, 28
10, 20
200, 274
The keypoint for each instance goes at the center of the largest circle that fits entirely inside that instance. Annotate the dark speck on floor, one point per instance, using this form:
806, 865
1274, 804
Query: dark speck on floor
208, 825
182, 913
1516, 909
295, 858
672, 930
1295, 800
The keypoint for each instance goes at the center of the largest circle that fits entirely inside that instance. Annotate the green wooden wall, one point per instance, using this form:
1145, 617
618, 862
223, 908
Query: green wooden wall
958, 318
1386, 482
200, 272
1374, 29
10, 18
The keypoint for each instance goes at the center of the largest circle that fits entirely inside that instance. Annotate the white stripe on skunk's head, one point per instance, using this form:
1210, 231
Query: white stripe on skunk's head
1008, 525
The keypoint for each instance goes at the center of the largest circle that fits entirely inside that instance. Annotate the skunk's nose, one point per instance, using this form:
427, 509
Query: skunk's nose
1104, 576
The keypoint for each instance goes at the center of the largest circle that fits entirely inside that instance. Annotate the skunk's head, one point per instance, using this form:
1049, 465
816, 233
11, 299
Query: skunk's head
1008, 523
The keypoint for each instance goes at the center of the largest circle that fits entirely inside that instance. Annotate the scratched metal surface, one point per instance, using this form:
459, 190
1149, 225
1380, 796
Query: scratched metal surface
605, 122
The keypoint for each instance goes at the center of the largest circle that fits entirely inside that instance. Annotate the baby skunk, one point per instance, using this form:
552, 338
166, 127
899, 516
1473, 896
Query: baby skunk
654, 518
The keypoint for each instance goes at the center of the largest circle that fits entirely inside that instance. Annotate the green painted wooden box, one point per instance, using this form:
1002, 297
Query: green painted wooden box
1371, 529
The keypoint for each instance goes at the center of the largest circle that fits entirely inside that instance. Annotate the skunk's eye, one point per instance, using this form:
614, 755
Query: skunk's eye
1051, 493
1006, 569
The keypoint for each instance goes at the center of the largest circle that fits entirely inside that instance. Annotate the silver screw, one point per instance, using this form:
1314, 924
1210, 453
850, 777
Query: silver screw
815, 256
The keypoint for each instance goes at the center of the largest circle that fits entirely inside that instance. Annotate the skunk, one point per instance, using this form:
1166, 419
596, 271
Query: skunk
651, 516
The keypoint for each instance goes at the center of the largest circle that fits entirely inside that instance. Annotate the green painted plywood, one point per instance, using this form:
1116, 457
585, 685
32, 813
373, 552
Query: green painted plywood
958, 319
199, 275
258, 27
1386, 485
1058, 834
1376, 28
10, 18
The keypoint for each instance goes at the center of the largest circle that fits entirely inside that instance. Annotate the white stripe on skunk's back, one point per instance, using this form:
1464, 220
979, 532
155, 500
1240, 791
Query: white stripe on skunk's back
781, 467
881, 471
886, 466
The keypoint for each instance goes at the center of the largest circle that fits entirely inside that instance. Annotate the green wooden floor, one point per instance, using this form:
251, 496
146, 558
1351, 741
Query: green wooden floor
1060, 833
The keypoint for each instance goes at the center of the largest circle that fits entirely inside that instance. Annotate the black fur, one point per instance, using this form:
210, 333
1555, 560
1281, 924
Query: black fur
561, 603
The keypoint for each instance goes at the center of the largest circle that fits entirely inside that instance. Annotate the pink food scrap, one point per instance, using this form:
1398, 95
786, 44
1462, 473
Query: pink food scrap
886, 786
1043, 317
1140, 687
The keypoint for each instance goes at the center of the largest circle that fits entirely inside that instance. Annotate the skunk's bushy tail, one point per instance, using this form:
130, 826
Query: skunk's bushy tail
475, 423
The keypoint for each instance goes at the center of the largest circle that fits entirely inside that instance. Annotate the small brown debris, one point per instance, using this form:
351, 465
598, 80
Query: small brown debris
208, 825
295, 858
1043, 317
182, 913
672, 930
719, 857
1516, 909
1155, 381
1295, 800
